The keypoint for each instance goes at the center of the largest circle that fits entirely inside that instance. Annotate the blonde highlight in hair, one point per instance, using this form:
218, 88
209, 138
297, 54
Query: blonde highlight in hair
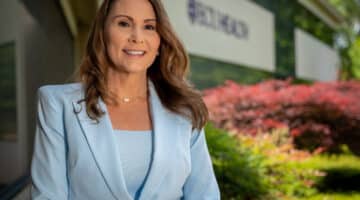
168, 72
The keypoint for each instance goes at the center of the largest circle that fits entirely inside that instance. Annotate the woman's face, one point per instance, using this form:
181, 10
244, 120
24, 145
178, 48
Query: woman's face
131, 37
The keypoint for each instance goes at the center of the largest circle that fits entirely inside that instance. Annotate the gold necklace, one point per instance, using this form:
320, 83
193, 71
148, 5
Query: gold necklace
130, 99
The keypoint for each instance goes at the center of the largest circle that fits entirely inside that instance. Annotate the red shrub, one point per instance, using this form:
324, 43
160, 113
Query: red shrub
319, 115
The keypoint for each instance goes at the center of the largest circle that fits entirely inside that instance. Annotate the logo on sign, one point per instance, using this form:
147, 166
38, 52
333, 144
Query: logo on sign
207, 16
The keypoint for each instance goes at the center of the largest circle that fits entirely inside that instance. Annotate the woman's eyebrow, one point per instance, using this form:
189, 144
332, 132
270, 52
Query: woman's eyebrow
132, 19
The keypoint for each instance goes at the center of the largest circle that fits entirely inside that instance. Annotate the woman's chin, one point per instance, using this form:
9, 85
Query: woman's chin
132, 70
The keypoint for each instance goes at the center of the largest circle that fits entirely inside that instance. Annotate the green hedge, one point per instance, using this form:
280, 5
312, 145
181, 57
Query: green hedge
240, 172
244, 170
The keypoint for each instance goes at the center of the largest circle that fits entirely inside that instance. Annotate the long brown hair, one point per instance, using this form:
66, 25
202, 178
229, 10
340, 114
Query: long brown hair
168, 72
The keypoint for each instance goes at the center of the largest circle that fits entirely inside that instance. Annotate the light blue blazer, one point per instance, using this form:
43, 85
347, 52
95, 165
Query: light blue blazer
77, 158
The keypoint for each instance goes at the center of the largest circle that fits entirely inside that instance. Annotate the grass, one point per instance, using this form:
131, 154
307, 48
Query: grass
341, 181
335, 196
348, 161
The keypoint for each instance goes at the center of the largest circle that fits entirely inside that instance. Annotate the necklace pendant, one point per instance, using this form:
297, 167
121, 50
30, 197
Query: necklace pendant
126, 99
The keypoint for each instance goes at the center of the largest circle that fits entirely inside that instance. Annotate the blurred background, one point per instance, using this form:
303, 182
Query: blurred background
281, 79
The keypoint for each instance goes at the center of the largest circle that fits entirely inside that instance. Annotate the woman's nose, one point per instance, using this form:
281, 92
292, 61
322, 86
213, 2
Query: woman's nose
134, 40
136, 36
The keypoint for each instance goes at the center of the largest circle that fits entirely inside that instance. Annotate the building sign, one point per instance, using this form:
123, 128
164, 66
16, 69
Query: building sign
207, 16
314, 59
233, 31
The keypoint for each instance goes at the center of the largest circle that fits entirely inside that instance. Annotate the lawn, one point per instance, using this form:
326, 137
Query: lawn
342, 175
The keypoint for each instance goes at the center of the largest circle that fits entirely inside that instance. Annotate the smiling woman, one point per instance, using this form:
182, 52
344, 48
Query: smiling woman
132, 126
132, 40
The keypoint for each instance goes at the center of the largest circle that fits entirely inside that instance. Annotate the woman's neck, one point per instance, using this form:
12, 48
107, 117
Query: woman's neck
127, 85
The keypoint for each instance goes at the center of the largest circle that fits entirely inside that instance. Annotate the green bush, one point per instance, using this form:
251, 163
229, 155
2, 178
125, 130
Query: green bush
255, 168
286, 179
240, 172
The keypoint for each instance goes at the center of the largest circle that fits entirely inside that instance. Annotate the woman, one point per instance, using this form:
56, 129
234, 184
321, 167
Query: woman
133, 127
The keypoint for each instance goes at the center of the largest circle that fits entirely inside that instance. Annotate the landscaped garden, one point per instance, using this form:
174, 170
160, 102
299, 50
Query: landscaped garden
279, 140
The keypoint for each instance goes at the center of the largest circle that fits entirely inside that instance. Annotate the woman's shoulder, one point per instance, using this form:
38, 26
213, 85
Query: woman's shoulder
68, 87
61, 91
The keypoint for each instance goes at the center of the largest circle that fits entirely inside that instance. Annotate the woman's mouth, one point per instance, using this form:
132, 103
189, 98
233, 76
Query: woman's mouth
136, 53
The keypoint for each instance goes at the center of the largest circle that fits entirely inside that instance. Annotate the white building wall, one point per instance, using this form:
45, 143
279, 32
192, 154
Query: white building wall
314, 59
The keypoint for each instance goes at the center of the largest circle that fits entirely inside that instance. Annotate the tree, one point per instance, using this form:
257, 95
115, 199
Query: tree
348, 37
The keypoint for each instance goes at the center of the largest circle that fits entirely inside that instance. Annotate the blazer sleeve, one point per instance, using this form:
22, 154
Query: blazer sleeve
48, 166
201, 183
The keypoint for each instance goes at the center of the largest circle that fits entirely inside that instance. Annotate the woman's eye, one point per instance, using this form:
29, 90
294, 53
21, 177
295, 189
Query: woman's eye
123, 24
150, 27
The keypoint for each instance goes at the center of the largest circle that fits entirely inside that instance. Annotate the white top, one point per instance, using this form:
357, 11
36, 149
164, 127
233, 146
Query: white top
136, 156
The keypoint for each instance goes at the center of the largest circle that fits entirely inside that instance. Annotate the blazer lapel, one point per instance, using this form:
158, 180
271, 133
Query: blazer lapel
164, 124
101, 141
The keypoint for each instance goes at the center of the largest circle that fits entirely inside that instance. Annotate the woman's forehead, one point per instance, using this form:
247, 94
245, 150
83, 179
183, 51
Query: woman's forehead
133, 8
